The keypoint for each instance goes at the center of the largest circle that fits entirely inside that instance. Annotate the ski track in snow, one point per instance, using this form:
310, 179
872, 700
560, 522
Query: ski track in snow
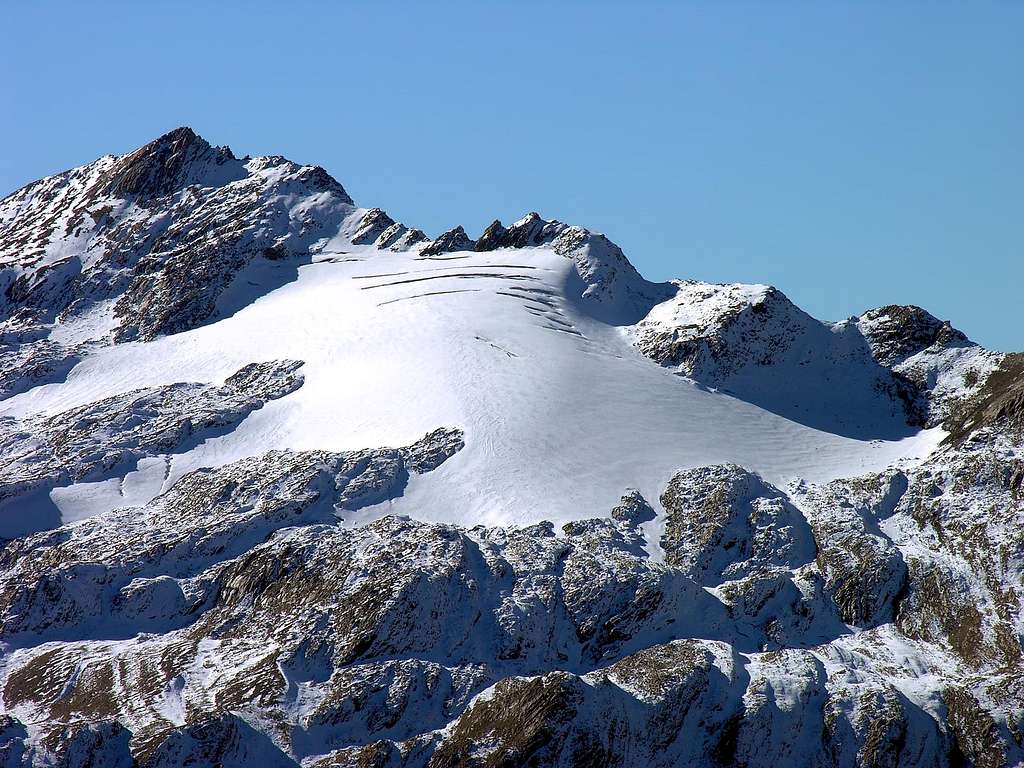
557, 425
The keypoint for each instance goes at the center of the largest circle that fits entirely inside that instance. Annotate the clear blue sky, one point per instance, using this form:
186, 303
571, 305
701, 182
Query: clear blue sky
853, 154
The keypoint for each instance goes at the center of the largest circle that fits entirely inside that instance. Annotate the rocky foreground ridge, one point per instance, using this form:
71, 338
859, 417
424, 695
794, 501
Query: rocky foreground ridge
247, 614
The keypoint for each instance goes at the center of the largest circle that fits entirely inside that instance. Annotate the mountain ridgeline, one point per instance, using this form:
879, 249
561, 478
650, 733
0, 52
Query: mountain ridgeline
288, 482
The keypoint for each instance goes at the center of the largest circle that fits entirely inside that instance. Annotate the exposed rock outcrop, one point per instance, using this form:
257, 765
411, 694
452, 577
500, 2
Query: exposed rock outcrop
751, 341
896, 332
864, 571
108, 437
164, 231
633, 508
998, 403
493, 645
176, 160
723, 522
372, 227
452, 240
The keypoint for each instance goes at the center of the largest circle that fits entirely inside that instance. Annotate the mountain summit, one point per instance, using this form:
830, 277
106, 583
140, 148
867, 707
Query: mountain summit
286, 481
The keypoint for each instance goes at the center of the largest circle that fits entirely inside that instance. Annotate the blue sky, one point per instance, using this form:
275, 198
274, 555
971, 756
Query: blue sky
853, 154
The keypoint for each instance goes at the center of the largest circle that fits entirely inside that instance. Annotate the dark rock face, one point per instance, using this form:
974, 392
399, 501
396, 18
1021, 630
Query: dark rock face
532, 230
23, 366
452, 240
400, 238
63, 584
433, 450
396, 237
414, 236
938, 362
896, 332
529, 231
390, 235
977, 735
609, 287
494, 237
177, 284
169, 163
534, 718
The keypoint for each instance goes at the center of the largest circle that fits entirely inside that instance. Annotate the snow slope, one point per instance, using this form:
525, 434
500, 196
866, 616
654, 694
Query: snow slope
560, 411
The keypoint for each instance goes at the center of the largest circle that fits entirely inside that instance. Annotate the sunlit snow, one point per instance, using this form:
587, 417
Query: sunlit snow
561, 412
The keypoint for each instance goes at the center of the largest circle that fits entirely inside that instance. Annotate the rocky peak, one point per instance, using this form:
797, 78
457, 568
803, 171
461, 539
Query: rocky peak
895, 332
372, 226
452, 240
753, 342
400, 237
611, 289
531, 230
173, 161
493, 237
316, 177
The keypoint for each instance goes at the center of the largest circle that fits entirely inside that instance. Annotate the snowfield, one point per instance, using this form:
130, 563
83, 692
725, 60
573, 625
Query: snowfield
561, 412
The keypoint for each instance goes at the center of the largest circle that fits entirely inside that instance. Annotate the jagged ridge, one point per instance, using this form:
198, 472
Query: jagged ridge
235, 604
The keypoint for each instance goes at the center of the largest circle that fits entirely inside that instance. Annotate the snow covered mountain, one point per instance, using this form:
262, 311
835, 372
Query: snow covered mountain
284, 481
